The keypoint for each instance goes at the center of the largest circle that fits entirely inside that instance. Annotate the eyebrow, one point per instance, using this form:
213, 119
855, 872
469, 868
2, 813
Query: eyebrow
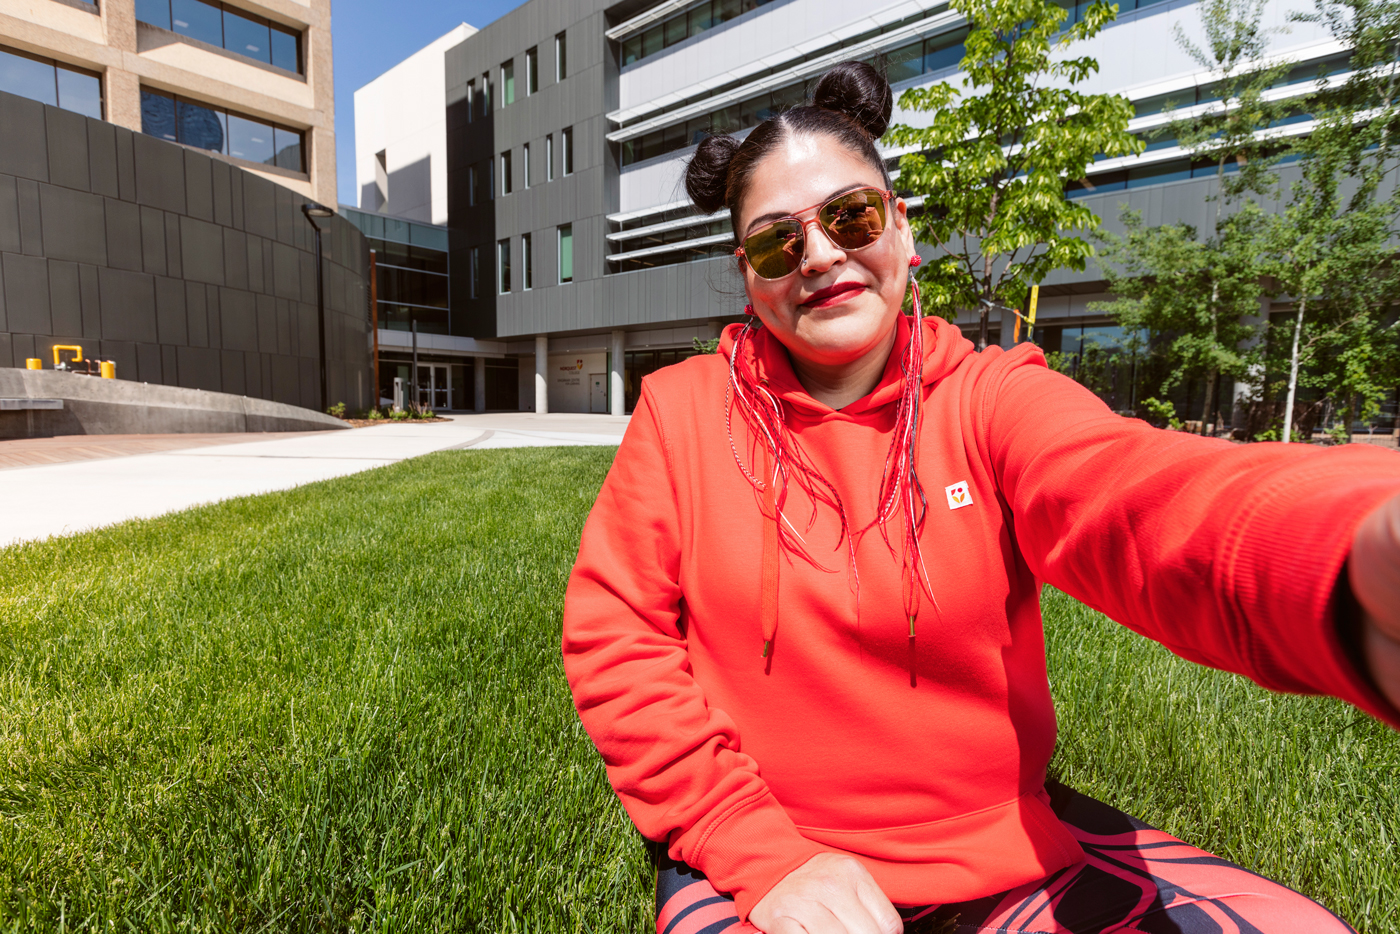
777, 215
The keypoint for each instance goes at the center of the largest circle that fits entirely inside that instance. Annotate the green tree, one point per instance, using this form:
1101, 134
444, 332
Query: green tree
1195, 294
993, 159
1334, 242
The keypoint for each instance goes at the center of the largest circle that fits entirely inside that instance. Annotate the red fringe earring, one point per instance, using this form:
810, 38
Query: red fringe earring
748, 309
915, 260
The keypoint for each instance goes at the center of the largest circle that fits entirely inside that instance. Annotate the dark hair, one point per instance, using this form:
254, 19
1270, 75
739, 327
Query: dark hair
852, 104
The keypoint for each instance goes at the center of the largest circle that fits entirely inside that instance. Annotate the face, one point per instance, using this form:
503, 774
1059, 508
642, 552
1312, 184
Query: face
839, 307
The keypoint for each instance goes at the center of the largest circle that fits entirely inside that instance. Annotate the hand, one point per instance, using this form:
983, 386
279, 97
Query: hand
828, 894
1375, 580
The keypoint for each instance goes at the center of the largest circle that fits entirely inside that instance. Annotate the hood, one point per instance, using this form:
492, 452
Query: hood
945, 348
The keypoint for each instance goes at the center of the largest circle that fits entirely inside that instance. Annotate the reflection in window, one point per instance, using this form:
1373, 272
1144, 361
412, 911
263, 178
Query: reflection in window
532, 71
217, 130
228, 28
507, 84
503, 266
700, 17
46, 81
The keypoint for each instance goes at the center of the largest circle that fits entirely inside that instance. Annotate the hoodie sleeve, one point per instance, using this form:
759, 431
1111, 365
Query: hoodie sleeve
674, 761
1227, 554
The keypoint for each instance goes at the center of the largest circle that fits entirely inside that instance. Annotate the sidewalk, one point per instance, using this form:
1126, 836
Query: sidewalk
105, 481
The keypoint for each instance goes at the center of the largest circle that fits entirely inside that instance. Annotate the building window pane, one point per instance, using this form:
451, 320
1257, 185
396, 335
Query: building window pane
471, 100
653, 41
505, 172
158, 115
247, 37
485, 95
286, 49
503, 265
251, 140
28, 78
507, 84
566, 140
198, 21
566, 253
532, 71
474, 282
527, 263
525, 165
200, 127
155, 12
549, 158
631, 50
674, 29
80, 93
561, 57
471, 186
288, 146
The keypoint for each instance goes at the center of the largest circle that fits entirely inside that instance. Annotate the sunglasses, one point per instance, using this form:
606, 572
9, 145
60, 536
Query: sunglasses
852, 221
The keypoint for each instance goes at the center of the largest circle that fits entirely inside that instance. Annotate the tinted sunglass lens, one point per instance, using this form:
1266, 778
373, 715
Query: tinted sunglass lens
855, 220
776, 250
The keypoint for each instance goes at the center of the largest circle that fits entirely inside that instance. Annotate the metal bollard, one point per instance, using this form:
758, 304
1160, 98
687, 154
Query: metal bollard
33, 363
109, 369
398, 393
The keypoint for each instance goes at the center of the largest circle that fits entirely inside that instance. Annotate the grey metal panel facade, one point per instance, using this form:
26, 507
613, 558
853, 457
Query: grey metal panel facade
183, 269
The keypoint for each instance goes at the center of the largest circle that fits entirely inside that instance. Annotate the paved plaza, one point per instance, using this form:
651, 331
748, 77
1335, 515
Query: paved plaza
59, 486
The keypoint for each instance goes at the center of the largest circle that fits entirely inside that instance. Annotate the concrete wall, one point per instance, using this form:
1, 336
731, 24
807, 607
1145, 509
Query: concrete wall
183, 269
94, 406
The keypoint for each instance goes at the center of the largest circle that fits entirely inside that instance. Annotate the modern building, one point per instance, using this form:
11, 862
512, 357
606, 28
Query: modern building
155, 158
401, 136
572, 244
249, 82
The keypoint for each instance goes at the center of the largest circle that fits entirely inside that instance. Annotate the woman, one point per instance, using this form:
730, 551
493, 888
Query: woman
804, 629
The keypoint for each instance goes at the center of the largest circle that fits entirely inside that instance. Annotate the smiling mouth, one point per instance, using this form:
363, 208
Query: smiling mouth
833, 295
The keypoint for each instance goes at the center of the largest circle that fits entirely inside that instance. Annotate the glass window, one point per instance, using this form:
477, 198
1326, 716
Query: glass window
561, 57
549, 158
155, 12
905, 62
566, 253
286, 49
674, 29
28, 77
247, 37
485, 95
526, 263
532, 71
525, 165
507, 84
471, 186
474, 282
701, 18
503, 266
198, 20
725, 10
288, 146
80, 92
199, 126
944, 51
631, 50
505, 172
158, 115
653, 41
250, 139
566, 141
471, 99
1173, 171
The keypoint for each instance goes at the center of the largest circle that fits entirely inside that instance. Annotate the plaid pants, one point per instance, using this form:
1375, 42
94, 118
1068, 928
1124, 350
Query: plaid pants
1134, 879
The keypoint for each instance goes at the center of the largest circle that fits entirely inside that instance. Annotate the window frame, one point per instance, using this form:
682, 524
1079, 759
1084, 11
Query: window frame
507, 83
566, 151
57, 66
549, 157
526, 262
225, 9
227, 114
560, 233
506, 173
503, 266
561, 56
532, 70
474, 273
525, 167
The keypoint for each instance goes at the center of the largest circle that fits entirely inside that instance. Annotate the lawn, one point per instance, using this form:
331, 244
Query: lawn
342, 708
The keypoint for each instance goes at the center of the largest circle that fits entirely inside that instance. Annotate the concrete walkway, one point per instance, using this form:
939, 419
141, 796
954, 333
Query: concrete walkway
61, 499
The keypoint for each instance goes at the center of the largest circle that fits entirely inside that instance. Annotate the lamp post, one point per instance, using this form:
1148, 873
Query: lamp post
312, 210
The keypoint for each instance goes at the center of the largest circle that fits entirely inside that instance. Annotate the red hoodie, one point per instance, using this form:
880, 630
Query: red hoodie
1226, 554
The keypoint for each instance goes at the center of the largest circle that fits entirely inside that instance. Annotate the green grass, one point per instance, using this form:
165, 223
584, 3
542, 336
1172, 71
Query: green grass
342, 708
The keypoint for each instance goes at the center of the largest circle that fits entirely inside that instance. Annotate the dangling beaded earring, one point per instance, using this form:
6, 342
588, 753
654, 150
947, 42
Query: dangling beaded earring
915, 260
748, 309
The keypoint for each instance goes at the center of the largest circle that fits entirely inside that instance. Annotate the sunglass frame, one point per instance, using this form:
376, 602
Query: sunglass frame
886, 194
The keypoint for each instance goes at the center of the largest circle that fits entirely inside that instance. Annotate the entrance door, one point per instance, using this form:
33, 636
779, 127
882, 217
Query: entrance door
598, 394
434, 386
441, 387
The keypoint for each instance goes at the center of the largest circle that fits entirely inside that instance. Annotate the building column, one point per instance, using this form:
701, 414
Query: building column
479, 378
617, 362
541, 374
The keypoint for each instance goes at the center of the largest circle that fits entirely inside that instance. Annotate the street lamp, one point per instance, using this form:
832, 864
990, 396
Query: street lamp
312, 210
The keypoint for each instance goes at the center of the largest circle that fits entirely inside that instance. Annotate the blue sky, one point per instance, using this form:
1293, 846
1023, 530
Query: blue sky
371, 36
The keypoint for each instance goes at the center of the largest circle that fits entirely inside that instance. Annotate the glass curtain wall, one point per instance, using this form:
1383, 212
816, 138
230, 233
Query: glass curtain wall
410, 271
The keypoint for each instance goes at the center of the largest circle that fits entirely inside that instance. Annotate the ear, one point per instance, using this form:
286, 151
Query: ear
901, 225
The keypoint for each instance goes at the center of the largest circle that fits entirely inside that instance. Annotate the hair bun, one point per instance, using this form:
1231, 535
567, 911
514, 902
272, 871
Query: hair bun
858, 91
707, 174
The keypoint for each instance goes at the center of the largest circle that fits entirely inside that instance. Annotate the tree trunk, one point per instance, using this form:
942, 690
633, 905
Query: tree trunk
1293, 374
1212, 377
